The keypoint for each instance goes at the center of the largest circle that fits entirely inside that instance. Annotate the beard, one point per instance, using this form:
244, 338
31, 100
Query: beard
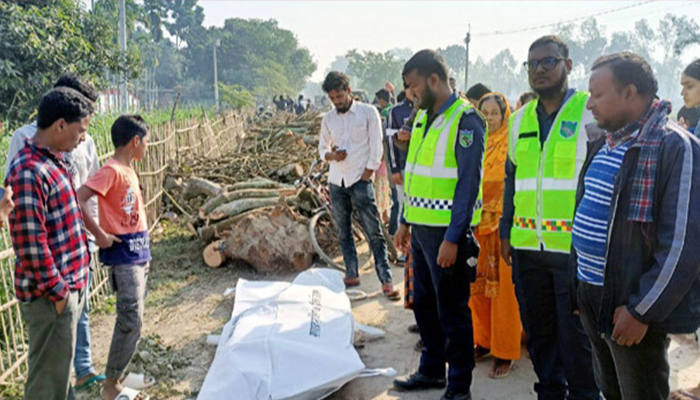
558, 87
427, 101
345, 108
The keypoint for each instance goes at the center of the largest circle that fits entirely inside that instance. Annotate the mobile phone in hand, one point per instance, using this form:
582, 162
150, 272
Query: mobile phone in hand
2, 192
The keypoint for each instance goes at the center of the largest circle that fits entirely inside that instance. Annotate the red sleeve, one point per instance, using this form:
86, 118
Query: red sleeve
102, 181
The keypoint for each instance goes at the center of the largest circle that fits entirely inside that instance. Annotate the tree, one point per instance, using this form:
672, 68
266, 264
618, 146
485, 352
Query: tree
404, 53
455, 57
373, 70
39, 42
258, 55
185, 20
236, 96
340, 64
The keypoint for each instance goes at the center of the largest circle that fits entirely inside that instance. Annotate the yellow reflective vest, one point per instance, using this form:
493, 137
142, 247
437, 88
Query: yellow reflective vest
431, 169
547, 175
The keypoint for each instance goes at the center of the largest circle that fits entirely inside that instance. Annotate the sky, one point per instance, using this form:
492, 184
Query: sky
331, 28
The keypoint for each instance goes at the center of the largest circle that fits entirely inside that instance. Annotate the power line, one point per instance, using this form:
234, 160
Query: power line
552, 24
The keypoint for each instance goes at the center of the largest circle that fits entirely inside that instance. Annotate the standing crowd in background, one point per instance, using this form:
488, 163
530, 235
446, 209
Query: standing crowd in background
568, 222
571, 218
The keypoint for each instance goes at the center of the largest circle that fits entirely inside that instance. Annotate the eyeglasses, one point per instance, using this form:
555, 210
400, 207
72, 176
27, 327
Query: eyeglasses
548, 63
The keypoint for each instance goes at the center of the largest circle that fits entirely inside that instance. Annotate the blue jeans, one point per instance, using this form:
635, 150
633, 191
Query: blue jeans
558, 345
82, 360
359, 196
395, 207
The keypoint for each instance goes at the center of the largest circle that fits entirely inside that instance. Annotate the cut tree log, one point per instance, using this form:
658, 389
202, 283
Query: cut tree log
272, 242
254, 184
214, 254
208, 233
198, 186
290, 172
311, 140
241, 205
281, 134
228, 197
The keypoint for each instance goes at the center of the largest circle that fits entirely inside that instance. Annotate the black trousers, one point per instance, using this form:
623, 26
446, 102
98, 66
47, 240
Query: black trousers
441, 308
639, 372
556, 341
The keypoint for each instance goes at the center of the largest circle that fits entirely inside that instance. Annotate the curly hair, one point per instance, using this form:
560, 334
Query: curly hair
71, 80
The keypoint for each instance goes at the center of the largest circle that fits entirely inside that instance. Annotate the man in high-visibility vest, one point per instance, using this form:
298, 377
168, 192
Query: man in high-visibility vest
546, 150
442, 193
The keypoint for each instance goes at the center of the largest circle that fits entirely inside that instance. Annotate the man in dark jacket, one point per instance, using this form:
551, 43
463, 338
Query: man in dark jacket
636, 231
396, 157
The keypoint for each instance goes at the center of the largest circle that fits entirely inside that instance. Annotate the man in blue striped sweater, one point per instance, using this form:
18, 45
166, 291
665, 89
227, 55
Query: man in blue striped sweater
636, 231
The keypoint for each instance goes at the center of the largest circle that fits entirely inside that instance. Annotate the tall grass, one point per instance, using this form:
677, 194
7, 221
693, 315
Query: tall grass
100, 128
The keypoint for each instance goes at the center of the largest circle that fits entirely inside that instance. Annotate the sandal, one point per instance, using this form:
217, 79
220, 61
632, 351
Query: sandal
683, 394
351, 282
391, 293
91, 381
499, 364
138, 381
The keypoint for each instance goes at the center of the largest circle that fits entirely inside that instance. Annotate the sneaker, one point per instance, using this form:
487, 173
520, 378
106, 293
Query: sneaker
419, 381
418, 347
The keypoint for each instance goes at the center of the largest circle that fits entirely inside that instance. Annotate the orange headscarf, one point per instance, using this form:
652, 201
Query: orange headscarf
494, 169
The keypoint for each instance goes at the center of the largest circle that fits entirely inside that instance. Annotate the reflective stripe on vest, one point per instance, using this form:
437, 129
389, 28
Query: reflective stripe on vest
431, 169
546, 176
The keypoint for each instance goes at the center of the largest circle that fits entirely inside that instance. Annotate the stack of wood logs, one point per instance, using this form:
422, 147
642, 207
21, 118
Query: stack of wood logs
244, 205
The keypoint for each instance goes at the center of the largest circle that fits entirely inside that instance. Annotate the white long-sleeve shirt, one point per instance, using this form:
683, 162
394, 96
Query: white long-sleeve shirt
84, 161
357, 131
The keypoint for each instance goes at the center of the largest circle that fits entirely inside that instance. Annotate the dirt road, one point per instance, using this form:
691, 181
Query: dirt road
186, 304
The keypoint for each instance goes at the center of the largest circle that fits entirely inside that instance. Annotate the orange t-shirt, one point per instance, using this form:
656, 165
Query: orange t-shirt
122, 213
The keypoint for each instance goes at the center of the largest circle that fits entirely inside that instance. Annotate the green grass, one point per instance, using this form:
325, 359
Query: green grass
100, 127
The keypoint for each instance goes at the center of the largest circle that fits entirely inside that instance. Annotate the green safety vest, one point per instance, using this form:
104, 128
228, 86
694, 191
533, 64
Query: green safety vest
546, 176
431, 169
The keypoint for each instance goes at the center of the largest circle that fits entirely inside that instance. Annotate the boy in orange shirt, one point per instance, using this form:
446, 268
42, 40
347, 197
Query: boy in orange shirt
122, 235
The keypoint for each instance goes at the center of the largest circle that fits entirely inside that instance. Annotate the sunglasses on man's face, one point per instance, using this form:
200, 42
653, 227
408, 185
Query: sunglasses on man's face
548, 63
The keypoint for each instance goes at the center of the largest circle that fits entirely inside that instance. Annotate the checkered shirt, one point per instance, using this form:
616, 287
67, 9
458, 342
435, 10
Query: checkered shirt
46, 226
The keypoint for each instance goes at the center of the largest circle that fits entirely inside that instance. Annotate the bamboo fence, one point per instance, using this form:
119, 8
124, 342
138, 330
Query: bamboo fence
169, 144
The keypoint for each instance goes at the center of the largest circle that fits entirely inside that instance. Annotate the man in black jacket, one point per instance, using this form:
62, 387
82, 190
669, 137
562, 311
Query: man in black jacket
636, 231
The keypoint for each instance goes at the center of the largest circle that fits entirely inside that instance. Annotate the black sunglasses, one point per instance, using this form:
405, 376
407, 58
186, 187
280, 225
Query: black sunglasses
548, 63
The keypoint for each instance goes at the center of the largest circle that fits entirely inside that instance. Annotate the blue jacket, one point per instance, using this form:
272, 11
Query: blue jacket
653, 268
396, 158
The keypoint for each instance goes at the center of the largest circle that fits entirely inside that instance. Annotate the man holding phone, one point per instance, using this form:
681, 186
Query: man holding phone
351, 140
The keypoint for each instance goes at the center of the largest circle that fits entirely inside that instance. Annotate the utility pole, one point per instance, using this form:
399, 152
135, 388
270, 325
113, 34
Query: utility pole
217, 43
466, 66
124, 96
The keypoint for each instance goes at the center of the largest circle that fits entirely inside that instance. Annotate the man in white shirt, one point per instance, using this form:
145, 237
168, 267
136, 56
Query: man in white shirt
82, 163
351, 140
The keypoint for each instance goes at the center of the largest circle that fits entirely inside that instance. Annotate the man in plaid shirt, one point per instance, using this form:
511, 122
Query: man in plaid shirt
49, 240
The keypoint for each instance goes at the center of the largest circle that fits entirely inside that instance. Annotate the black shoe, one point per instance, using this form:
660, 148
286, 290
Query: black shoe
419, 381
413, 328
418, 347
450, 395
